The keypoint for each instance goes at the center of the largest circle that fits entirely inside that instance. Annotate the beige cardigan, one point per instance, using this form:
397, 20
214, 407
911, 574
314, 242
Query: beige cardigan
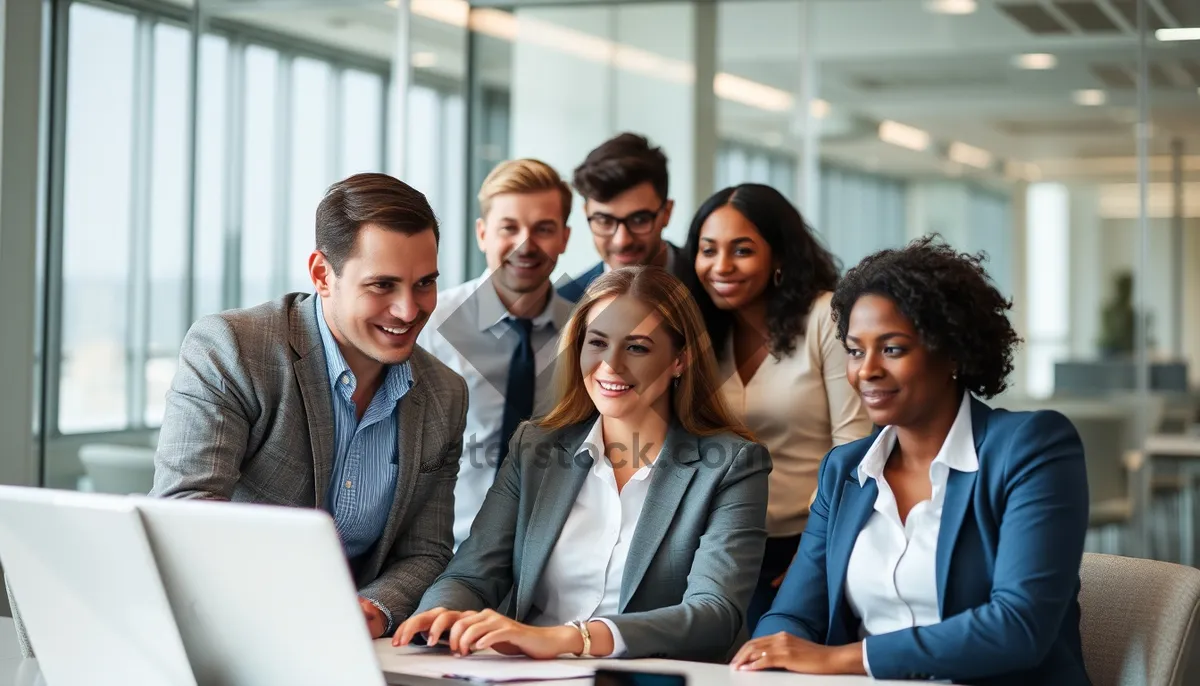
799, 407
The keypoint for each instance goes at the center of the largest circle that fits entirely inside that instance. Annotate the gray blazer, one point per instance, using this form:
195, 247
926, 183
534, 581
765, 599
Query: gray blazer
693, 561
249, 419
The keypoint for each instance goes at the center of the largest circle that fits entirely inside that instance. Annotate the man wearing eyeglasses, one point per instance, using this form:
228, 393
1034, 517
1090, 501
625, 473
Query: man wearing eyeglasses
624, 186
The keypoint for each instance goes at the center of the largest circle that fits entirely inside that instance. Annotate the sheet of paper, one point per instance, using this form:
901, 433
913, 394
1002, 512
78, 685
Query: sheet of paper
489, 668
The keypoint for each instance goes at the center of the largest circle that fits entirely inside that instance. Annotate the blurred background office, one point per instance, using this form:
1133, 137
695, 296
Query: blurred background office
162, 159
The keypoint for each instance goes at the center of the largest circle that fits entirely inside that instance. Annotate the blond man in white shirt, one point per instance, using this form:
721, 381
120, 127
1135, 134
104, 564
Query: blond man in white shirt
500, 331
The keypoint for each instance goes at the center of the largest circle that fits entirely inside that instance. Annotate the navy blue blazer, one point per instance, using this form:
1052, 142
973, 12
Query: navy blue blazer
573, 290
1008, 556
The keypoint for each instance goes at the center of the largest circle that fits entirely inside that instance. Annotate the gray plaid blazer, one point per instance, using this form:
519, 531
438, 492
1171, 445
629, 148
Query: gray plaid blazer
249, 419
693, 561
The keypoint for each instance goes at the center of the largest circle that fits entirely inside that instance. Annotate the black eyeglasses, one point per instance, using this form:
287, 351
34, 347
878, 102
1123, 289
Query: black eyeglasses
640, 222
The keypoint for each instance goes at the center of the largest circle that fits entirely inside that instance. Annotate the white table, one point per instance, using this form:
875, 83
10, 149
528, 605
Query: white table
15, 671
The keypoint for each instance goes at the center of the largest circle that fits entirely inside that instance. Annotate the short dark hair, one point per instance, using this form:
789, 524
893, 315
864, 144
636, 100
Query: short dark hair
620, 164
369, 199
808, 269
951, 301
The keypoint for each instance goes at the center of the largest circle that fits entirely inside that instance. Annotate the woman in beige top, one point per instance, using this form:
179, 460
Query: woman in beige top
764, 285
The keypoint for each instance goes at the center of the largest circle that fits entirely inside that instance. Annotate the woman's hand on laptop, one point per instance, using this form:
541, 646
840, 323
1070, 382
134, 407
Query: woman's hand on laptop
468, 632
433, 623
507, 636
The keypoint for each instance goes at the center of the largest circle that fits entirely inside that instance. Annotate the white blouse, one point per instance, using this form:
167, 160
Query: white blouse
891, 580
582, 578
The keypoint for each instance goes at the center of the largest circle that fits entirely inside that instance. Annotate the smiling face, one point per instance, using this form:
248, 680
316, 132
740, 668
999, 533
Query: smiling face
386, 290
522, 237
734, 262
640, 206
900, 380
628, 359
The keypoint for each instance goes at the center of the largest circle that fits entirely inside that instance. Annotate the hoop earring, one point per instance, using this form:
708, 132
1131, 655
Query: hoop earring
778, 278
675, 381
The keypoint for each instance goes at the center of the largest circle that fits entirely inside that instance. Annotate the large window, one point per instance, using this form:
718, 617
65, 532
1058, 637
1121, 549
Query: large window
103, 83
860, 213
739, 163
275, 126
434, 163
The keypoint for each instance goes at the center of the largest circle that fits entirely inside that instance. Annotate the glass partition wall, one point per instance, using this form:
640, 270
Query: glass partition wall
1061, 137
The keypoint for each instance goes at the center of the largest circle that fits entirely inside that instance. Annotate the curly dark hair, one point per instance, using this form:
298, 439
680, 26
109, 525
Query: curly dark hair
951, 301
808, 268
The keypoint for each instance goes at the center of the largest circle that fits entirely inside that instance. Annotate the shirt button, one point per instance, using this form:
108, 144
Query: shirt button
349, 483
346, 380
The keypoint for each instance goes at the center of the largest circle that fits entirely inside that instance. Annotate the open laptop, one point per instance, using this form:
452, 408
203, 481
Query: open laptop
262, 595
88, 589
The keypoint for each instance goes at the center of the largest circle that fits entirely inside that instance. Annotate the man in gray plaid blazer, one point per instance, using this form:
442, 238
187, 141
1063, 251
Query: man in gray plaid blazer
325, 401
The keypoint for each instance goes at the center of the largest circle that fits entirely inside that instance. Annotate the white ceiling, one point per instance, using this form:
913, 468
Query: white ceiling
875, 59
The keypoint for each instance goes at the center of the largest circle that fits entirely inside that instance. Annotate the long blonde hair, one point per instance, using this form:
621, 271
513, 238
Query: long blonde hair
697, 403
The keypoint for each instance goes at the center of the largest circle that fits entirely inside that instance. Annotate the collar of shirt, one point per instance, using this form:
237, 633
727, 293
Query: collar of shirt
490, 311
957, 451
593, 444
397, 381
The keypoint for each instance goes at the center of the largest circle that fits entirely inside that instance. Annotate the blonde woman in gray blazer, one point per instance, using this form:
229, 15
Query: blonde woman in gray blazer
628, 522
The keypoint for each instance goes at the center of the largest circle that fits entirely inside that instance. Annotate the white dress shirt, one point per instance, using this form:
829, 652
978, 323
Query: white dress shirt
582, 578
891, 580
470, 332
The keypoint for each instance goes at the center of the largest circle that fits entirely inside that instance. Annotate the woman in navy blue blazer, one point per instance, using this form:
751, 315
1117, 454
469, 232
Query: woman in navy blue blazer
947, 544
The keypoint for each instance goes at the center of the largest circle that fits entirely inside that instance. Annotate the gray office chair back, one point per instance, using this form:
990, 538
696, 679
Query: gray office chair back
1139, 621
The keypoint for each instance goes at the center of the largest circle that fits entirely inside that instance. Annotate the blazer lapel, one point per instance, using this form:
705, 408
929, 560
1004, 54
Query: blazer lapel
562, 480
313, 377
959, 488
855, 508
672, 472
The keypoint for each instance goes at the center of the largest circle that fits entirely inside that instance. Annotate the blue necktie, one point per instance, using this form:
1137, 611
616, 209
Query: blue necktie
518, 395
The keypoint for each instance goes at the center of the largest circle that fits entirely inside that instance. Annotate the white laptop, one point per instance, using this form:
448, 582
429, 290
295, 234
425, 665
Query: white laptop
88, 589
262, 595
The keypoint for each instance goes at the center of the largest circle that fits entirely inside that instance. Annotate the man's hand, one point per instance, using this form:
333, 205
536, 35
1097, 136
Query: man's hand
376, 620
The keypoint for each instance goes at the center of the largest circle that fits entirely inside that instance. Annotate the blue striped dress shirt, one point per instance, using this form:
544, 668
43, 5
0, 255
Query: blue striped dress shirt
363, 483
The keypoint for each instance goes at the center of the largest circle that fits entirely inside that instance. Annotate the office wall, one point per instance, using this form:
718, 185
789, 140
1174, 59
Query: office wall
564, 104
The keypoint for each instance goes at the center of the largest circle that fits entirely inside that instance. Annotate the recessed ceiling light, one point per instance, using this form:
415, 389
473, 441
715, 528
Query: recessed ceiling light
969, 154
818, 108
1089, 97
424, 60
1165, 35
1035, 60
951, 6
903, 135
